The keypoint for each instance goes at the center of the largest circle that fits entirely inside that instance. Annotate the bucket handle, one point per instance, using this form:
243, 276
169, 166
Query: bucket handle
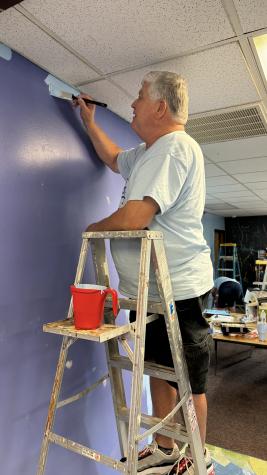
114, 296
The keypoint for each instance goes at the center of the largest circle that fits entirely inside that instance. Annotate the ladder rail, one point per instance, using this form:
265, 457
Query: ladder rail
139, 352
53, 404
111, 347
176, 345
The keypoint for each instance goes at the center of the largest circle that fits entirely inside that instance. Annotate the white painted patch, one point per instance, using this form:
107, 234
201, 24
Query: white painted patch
108, 200
69, 364
104, 383
93, 369
57, 87
5, 52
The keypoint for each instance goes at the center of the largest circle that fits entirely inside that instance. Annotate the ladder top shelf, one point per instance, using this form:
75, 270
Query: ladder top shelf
123, 234
104, 333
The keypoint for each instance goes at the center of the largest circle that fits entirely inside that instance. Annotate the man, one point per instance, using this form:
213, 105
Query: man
227, 293
164, 191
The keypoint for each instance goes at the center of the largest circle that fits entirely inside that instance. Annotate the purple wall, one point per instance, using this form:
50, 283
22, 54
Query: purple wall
51, 187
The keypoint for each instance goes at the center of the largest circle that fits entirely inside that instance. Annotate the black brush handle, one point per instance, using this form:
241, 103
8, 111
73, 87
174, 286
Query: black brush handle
90, 101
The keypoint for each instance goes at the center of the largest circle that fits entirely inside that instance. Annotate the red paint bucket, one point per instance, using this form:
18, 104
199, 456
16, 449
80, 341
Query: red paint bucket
88, 305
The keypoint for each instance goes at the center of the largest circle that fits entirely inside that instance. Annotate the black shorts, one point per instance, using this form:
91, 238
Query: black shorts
197, 341
230, 293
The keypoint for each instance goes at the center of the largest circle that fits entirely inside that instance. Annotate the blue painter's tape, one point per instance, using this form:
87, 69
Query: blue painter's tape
171, 308
5, 52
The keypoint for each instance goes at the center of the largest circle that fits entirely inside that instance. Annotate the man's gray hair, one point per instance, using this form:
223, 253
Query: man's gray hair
172, 88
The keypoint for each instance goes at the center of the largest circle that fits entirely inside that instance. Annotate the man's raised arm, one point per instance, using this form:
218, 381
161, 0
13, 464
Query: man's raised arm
106, 149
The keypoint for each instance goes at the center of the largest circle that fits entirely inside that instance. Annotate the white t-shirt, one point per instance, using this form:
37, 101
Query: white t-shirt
171, 172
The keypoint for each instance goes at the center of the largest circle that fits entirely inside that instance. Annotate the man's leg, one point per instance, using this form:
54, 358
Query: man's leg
200, 403
164, 400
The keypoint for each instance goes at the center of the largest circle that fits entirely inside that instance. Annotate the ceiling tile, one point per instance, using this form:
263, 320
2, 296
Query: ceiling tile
251, 205
213, 200
117, 100
252, 14
225, 188
115, 34
234, 194
206, 159
220, 206
247, 165
261, 185
252, 177
222, 65
26, 38
213, 170
219, 180
242, 199
236, 149
261, 193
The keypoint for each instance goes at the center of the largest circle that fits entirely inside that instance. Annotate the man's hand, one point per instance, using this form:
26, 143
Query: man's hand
91, 228
87, 111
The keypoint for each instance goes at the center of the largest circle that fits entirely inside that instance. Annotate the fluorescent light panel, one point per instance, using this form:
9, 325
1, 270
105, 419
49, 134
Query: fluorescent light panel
260, 43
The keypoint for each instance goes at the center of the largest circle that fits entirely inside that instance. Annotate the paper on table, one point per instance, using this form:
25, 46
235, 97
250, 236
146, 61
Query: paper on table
215, 311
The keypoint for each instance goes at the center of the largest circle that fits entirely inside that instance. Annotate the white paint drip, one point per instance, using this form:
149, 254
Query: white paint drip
108, 200
69, 364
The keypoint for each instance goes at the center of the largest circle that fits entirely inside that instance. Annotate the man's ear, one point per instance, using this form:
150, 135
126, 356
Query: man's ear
161, 109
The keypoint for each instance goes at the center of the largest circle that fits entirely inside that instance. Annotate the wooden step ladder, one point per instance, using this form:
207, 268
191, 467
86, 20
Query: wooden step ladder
128, 420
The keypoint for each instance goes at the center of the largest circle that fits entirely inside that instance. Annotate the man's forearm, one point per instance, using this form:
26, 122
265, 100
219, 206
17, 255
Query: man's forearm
106, 149
134, 215
114, 222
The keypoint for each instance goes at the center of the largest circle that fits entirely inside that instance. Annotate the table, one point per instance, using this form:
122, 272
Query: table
241, 340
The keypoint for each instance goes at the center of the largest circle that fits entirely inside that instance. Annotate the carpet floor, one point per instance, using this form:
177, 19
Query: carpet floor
237, 401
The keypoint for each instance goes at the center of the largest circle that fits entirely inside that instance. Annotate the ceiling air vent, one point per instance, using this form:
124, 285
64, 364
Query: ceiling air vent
228, 124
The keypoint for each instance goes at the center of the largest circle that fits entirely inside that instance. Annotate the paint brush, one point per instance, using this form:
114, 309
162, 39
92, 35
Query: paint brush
72, 97
90, 101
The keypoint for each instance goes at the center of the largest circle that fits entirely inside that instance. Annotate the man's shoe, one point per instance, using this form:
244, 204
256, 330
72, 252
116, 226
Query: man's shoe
185, 465
151, 460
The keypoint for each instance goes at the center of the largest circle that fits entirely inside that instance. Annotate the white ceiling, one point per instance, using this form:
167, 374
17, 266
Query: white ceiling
104, 47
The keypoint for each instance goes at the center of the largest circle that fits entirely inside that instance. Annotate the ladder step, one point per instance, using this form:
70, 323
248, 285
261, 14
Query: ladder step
170, 429
226, 258
151, 369
104, 333
86, 451
226, 270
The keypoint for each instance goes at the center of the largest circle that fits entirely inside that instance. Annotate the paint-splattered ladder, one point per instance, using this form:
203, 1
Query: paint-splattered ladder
129, 420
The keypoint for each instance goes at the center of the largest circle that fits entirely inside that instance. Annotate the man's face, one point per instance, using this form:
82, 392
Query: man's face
143, 112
